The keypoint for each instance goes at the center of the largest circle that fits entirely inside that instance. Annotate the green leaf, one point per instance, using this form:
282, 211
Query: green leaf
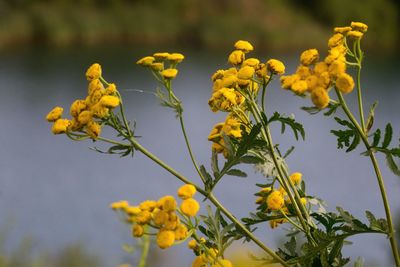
214, 163
291, 246
288, 152
287, 121
377, 138
392, 164
251, 160
359, 262
236, 172
349, 138
388, 135
371, 116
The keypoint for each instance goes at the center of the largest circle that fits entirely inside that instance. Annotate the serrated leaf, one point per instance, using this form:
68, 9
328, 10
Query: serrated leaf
388, 135
377, 138
291, 246
214, 163
287, 121
371, 217
354, 144
236, 172
288, 152
311, 110
392, 164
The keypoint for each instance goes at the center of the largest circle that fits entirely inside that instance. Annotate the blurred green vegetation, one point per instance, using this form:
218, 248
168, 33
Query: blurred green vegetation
24, 255
271, 24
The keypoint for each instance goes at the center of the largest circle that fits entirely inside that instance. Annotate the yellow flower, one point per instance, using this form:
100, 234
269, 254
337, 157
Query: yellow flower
275, 66
335, 40
219, 74
94, 85
224, 99
303, 72
111, 89
232, 126
172, 222
356, 35
76, 107
229, 81
160, 217
137, 230
245, 46
190, 207
275, 223
148, 205
336, 68
168, 203
309, 57
299, 87
245, 73
192, 244
320, 97
132, 210
312, 82
344, 83
84, 117
93, 129
161, 56
359, 26
165, 239
93, 72
169, 74
275, 200
287, 81
146, 61
303, 201
99, 111
199, 261
60, 126
54, 114
186, 191
296, 178
342, 30
157, 66
252, 62
119, 205
324, 80
109, 101
176, 57
236, 57
143, 217
181, 232
320, 67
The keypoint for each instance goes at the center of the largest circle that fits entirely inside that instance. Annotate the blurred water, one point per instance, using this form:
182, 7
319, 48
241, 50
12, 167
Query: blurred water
58, 191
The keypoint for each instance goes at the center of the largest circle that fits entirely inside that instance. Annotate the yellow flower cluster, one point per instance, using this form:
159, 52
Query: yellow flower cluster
277, 200
161, 215
207, 256
232, 127
87, 113
157, 63
229, 86
316, 77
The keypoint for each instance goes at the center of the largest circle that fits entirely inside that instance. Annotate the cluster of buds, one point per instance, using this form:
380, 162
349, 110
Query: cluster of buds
157, 63
277, 201
162, 215
316, 77
87, 114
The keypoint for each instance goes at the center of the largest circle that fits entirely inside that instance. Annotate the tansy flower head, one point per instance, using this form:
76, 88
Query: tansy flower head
93, 72
186, 191
245, 73
359, 26
161, 56
356, 35
236, 57
245, 46
296, 178
342, 30
157, 66
176, 57
165, 239
109, 101
169, 74
60, 126
190, 207
335, 40
275, 66
54, 114
93, 129
344, 83
137, 230
309, 57
145, 61
275, 200
119, 205
222, 263
320, 97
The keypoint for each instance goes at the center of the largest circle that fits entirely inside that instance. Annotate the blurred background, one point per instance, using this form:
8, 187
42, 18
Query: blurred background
54, 193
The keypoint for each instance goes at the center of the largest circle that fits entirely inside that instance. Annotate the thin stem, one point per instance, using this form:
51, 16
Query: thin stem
265, 84
244, 229
381, 184
359, 95
145, 252
189, 147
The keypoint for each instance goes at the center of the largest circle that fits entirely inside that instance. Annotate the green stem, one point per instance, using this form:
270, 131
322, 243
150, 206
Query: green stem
212, 198
359, 95
145, 252
381, 184
189, 147
265, 84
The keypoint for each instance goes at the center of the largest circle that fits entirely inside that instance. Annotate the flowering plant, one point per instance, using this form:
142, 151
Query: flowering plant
316, 236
